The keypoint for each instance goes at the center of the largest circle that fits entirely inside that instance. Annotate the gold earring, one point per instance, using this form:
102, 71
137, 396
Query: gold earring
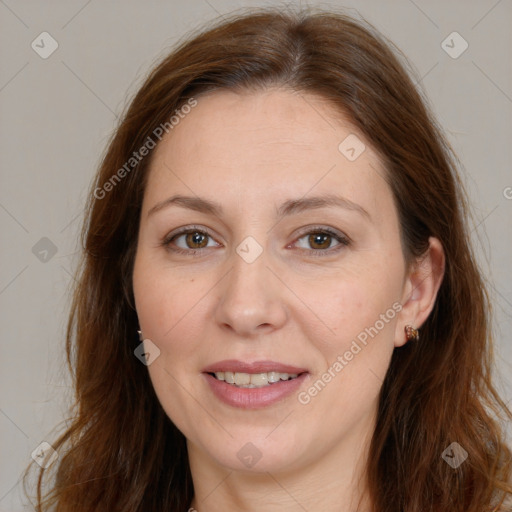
411, 333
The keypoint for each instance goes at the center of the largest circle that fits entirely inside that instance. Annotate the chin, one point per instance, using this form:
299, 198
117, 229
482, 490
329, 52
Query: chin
255, 454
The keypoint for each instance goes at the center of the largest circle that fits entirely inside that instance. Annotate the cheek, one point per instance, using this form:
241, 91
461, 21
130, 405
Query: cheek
349, 305
355, 351
168, 308
161, 301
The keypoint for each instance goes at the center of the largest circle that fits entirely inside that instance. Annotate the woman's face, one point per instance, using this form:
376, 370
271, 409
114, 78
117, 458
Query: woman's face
293, 265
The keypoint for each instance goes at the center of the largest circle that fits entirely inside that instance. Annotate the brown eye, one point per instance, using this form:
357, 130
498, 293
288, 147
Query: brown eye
196, 240
320, 240
191, 240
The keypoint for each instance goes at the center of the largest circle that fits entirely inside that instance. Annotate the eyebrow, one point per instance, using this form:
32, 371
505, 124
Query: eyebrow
290, 207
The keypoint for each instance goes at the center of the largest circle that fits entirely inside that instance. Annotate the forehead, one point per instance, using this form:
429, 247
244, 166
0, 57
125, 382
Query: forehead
276, 142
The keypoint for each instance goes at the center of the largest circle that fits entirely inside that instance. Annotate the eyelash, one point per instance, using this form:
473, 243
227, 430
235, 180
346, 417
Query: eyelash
343, 241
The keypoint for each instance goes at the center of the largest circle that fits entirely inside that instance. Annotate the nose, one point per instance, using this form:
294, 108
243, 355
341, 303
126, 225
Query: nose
251, 298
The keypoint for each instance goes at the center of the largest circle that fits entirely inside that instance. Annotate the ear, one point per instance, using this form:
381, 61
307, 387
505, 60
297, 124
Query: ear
420, 289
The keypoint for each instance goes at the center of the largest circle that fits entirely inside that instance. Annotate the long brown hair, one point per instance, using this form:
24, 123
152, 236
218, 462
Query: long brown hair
121, 452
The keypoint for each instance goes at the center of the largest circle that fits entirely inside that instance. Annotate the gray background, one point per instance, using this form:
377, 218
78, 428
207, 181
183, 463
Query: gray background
56, 116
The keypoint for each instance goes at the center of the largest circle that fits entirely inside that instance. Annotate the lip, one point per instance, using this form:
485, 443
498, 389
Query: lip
233, 365
253, 398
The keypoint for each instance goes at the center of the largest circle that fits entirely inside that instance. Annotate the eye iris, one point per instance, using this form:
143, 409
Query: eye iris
321, 239
196, 238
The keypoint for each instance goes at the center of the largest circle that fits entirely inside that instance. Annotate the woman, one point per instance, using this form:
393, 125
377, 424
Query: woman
278, 307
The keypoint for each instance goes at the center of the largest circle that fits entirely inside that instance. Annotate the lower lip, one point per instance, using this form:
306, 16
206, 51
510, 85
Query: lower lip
253, 398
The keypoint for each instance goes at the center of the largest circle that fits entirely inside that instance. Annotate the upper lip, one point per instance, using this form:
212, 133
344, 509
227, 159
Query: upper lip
235, 366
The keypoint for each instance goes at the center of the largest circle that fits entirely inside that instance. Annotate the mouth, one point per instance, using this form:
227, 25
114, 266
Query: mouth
253, 385
253, 380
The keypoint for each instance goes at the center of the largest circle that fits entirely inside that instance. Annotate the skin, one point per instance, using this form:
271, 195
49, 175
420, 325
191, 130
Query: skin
251, 152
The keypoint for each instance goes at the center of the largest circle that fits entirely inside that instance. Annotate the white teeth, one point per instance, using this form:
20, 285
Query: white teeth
259, 379
274, 376
241, 379
253, 380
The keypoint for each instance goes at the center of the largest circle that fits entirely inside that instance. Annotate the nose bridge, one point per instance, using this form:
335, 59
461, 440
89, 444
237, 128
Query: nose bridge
249, 264
250, 297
